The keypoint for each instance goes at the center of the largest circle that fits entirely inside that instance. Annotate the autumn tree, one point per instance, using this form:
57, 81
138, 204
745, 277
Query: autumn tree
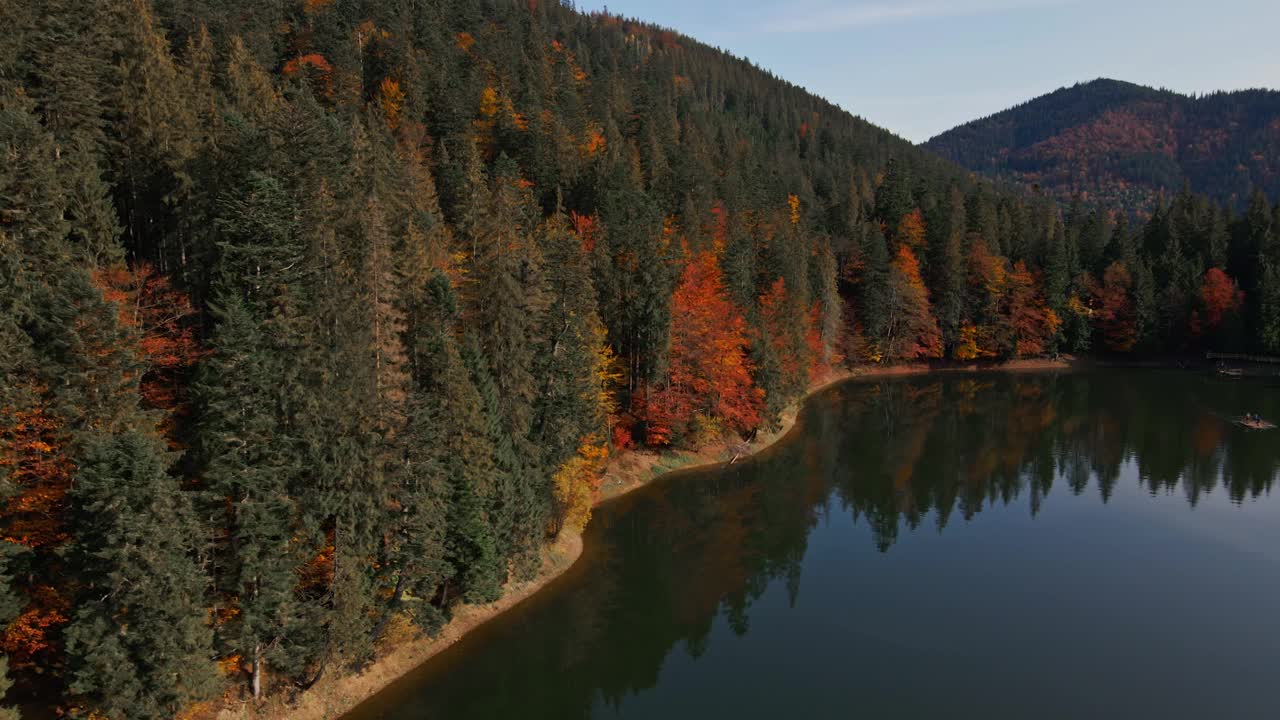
1033, 324
910, 330
1116, 313
710, 374
1220, 300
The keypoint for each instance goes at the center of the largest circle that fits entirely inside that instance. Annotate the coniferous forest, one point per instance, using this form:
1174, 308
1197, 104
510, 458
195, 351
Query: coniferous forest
320, 314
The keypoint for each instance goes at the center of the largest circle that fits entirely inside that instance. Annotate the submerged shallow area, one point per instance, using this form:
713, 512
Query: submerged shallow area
1098, 544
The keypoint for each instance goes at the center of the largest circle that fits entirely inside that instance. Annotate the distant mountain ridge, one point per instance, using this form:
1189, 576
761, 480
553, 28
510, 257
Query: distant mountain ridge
1124, 144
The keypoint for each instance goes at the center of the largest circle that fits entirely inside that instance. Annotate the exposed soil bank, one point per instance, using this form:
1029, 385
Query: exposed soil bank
333, 696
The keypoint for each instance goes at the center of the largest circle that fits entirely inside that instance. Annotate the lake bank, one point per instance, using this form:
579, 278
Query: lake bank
333, 696
1061, 530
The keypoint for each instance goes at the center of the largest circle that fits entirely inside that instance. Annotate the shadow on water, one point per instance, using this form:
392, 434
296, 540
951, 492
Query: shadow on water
1054, 539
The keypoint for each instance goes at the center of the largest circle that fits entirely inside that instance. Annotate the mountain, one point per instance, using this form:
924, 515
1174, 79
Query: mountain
1125, 144
319, 317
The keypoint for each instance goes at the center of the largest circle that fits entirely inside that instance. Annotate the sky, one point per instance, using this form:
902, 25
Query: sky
920, 67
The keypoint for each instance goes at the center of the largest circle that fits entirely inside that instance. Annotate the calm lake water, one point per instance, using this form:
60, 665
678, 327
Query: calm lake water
1093, 545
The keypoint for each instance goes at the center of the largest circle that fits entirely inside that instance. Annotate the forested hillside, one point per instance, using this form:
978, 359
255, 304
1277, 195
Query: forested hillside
320, 315
1124, 145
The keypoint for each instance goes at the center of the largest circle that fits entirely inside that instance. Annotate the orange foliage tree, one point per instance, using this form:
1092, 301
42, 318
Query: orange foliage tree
710, 374
391, 100
912, 229
912, 331
586, 227
1011, 316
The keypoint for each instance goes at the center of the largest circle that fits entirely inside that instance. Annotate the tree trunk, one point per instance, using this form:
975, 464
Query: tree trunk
257, 672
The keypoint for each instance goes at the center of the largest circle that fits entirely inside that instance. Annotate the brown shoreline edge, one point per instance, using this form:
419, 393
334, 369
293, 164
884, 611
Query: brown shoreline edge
334, 696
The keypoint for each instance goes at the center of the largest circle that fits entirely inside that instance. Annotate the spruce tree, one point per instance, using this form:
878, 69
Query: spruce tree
454, 429
948, 270
249, 469
875, 289
569, 406
139, 645
506, 301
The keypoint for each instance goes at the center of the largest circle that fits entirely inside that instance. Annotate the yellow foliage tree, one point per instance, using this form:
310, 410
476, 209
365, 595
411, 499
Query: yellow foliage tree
575, 484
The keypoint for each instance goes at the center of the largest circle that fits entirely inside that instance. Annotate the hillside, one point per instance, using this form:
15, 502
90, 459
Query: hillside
320, 317
1124, 144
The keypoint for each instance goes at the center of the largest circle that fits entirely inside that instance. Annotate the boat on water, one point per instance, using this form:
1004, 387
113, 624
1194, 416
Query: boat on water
1254, 423
1231, 372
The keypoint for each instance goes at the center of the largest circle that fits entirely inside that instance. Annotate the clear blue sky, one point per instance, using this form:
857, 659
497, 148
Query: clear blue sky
918, 67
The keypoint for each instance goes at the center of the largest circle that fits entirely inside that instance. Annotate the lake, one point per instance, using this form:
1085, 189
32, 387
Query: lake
1073, 545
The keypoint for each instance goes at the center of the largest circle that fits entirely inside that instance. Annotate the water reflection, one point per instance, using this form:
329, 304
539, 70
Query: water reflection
952, 447
686, 563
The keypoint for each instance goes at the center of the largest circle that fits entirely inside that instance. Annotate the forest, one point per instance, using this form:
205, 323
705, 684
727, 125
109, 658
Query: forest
1125, 145
317, 315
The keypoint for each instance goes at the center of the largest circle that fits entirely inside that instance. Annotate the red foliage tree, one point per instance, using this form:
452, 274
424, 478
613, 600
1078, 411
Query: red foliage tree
710, 373
779, 325
1032, 324
314, 68
162, 320
1116, 316
34, 461
1220, 296
587, 228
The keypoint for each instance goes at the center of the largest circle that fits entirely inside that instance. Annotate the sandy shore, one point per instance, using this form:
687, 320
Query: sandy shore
333, 696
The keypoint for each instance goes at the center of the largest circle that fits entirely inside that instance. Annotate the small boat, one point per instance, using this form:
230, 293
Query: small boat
1254, 423
1231, 372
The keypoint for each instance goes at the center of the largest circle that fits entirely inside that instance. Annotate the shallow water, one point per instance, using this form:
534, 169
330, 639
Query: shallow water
1100, 544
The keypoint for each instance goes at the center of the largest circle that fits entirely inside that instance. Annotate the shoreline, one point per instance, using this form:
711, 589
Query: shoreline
334, 696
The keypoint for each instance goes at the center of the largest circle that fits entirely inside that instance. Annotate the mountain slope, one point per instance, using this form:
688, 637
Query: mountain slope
1124, 144
337, 307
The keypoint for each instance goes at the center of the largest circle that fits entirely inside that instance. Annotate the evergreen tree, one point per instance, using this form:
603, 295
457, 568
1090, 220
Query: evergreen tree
571, 405
454, 430
875, 290
250, 467
948, 272
894, 197
135, 558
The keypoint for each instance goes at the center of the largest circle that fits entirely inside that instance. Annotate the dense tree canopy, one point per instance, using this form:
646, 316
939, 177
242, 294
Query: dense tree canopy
319, 313
1125, 144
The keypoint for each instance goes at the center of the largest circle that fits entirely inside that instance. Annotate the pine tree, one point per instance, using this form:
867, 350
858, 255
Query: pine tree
1262, 246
